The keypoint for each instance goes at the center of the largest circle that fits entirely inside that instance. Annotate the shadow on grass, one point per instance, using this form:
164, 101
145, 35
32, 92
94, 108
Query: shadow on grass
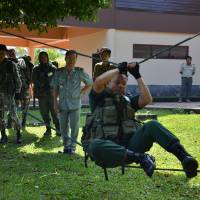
48, 143
43, 175
27, 137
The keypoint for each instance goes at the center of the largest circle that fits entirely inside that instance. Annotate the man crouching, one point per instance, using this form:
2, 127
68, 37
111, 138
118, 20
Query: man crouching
112, 135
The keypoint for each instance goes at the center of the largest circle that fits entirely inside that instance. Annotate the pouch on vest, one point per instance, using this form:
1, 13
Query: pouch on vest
130, 112
128, 127
96, 131
109, 115
110, 131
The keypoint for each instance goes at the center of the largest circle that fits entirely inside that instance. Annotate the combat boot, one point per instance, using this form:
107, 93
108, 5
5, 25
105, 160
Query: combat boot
48, 131
18, 140
4, 137
189, 164
146, 161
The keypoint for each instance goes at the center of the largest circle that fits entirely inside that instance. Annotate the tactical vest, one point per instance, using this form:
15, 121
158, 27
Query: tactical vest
114, 119
100, 68
7, 84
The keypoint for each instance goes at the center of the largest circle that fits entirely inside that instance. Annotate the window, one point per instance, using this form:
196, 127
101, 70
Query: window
144, 51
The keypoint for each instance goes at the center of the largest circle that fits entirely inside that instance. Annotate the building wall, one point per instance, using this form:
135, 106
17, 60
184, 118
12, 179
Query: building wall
162, 75
87, 45
157, 71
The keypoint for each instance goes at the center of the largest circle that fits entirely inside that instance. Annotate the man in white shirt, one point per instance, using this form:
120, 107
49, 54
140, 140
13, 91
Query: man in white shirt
187, 71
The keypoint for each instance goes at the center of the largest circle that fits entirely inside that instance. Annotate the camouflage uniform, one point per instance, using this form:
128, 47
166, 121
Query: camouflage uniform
101, 68
23, 97
10, 84
41, 78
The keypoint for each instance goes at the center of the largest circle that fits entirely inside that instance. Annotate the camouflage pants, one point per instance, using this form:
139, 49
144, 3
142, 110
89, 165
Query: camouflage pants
7, 104
24, 101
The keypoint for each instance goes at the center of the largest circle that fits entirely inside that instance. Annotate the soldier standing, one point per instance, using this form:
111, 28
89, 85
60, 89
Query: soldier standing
103, 66
25, 75
41, 78
10, 84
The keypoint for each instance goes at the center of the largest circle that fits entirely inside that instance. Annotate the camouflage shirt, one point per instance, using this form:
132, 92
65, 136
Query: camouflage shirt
9, 78
101, 68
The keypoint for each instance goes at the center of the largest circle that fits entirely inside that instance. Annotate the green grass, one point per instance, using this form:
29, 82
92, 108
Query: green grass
34, 169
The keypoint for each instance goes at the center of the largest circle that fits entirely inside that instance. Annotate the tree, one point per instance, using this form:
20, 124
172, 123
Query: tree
43, 14
53, 54
20, 51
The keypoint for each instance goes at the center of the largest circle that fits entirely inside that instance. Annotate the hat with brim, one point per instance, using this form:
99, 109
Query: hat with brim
3, 47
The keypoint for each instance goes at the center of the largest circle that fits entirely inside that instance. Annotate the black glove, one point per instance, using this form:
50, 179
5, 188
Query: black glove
135, 71
123, 68
17, 96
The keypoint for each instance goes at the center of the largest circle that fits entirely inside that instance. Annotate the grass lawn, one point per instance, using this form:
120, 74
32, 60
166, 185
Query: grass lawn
34, 169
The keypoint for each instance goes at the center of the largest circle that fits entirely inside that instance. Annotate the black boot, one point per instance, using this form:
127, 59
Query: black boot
57, 126
146, 161
4, 137
189, 164
19, 141
48, 131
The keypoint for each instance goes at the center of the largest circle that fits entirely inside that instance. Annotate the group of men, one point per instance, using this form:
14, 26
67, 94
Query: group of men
47, 83
15, 77
111, 136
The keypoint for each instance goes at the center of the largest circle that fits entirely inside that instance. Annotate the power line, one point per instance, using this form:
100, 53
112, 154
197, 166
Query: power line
92, 57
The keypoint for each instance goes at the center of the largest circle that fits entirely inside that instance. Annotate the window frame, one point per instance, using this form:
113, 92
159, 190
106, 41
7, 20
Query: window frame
152, 47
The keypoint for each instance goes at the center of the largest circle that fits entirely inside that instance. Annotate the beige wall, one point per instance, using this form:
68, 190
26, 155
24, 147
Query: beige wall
154, 71
157, 71
88, 44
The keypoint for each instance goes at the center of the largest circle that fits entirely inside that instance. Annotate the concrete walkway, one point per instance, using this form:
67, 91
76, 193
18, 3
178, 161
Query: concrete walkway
192, 106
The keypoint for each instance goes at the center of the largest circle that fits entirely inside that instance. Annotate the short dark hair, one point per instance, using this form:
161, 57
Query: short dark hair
190, 57
3, 47
43, 53
70, 52
105, 49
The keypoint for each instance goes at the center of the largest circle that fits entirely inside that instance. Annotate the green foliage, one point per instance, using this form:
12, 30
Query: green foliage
20, 51
34, 169
42, 14
54, 54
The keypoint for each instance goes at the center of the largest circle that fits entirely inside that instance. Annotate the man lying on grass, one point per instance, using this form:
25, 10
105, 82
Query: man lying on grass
112, 137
